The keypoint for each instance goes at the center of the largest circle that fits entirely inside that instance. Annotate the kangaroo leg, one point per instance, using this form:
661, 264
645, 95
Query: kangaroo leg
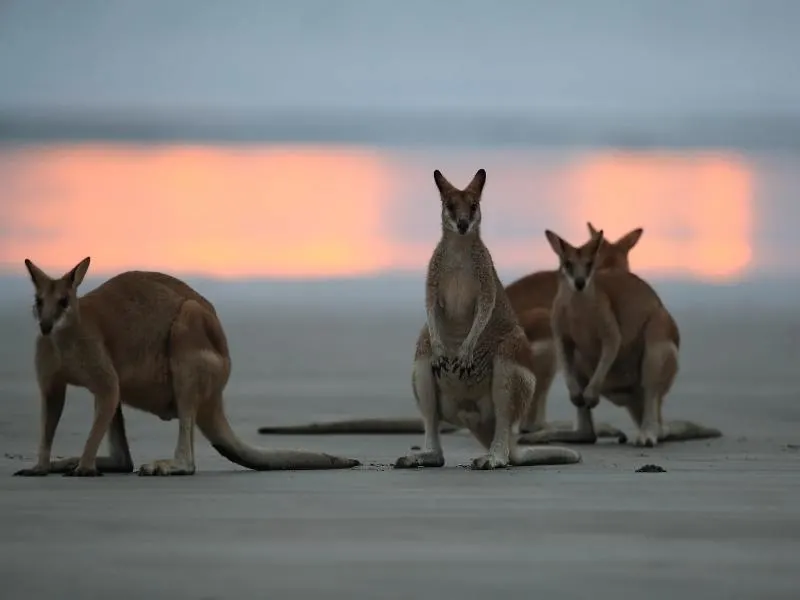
545, 371
584, 431
500, 426
105, 387
659, 367
524, 386
53, 395
196, 377
426, 395
119, 459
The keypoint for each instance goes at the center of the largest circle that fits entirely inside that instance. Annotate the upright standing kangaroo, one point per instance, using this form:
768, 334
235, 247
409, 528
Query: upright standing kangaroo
473, 366
614, 338
150, 341
532, 299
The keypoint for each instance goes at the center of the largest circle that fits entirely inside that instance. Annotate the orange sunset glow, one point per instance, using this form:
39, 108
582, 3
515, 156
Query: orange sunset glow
696, 211
288, 212
299, 212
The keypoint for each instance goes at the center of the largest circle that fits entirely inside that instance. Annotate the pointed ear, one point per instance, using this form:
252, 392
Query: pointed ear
592, 230
558, 245
76, 275
38, 277
478, 181
442, 183
593, 245
629, 240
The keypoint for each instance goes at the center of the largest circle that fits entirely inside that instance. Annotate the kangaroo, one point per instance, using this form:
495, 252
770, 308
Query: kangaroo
531, 298
614, 338
473, 366
150, 341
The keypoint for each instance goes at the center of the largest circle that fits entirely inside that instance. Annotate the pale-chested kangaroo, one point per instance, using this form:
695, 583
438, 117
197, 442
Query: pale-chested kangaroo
531, 298
150, 341
614, 338
473, 366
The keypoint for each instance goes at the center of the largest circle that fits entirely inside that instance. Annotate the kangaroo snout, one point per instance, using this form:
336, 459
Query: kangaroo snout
580, 283
463, 225
45, 327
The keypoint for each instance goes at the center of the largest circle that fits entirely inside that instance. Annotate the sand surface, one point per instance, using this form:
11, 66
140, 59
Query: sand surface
722, 522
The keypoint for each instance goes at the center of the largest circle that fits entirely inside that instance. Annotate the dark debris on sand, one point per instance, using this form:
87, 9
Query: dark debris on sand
650, 468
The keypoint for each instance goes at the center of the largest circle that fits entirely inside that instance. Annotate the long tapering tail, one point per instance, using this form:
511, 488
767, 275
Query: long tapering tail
681, 431
215, 426
534, 456
355, 426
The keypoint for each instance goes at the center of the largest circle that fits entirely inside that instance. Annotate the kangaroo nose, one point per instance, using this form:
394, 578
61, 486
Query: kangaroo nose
463, 225
580, 283
45, 328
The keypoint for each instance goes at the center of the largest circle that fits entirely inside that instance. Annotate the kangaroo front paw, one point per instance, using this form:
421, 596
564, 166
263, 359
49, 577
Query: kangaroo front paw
80, 471
165, 468
421, 459
489, 462
439, 364
35, 471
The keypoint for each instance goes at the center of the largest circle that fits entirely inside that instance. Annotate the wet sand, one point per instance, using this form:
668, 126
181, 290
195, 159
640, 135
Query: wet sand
722, 522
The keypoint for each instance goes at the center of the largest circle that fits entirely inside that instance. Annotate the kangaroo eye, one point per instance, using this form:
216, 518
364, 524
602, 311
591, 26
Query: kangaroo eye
473, 208
63, 302
38, 302
449, 206
589, 265
568, 266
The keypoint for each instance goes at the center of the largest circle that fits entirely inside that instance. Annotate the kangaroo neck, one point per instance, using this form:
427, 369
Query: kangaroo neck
458, 242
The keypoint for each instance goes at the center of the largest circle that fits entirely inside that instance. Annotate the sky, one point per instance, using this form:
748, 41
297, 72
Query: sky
590, 55
286, 210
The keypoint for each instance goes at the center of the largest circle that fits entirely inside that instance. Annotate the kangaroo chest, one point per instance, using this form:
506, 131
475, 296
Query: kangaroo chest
458, 291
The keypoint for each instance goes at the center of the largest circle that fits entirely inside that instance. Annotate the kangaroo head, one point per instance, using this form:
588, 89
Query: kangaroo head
461, 209
577, 265
56, 300
614, 255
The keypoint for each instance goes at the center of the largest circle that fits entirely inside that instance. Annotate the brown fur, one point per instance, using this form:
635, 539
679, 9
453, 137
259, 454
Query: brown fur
473, 366
613, 338
150, 341
532, 298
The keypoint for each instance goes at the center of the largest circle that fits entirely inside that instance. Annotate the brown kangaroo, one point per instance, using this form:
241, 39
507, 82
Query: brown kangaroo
150, 341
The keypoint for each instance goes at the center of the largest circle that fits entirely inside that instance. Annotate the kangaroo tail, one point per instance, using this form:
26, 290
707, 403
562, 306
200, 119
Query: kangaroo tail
534, 456
680, 431
215, 426
355, 426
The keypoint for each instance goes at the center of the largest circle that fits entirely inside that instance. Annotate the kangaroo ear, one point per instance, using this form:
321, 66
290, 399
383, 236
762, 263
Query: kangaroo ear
592, 230
442, 183
629, 240
38, 277
478, 181
558, 245
76, 275
593, 245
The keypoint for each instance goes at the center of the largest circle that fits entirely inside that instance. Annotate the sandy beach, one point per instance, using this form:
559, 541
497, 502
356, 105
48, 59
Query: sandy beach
723, 521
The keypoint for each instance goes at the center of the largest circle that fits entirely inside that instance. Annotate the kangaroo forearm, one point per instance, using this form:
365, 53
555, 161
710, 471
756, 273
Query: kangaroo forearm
607, 356
433, 324
483, 314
